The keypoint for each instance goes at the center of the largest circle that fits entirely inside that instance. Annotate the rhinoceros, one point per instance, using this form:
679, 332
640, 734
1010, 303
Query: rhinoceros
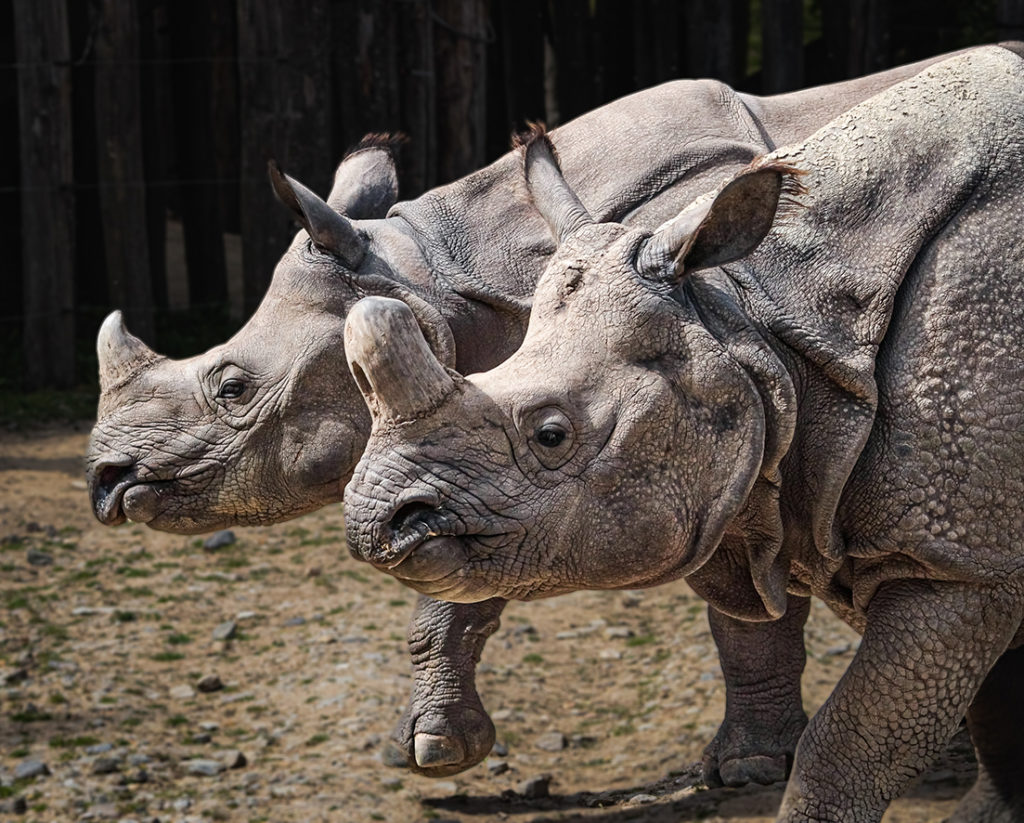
830, 406
267, 427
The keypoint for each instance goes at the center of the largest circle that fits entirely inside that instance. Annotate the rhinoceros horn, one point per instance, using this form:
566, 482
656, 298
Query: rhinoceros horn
121, 353
552, 196
391, 361
327, 228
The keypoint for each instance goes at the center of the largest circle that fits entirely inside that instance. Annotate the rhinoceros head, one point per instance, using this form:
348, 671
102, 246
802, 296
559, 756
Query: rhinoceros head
612, 449
265, 426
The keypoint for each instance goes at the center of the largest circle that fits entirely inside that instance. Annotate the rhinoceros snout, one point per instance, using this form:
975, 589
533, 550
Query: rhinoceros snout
109, 476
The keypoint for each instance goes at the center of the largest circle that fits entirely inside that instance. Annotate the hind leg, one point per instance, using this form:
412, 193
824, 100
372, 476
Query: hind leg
996, 723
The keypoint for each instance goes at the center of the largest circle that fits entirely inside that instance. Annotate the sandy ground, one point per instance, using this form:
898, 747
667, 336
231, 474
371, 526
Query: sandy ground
105, 634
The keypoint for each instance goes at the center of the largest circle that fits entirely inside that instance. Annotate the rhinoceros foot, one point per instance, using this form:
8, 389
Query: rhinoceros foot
746, 751
442, 741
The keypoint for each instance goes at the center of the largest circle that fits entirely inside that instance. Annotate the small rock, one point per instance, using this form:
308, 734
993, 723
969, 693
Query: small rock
225, 630
16, 805
99, 748
392, 784
314, 571
182, 692
610, 654
523, 629
618, 631
582, 741
202, 737
140, 776
182, 804
30, 768
35, 557
203, 767
106, 765
499, 749
641, 799
210, 683
295, 621
497, 767
11, 677
138, 759
445, 786
79, 485
245, 615
233, 759
218, 540
209, 726
534, 787
838, 649
551, 742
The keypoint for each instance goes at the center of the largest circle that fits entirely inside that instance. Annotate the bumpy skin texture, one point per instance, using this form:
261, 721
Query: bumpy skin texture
833, 409
181, 447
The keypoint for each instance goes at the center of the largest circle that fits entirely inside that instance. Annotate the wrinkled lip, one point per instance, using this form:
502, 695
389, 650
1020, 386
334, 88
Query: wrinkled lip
430, 560
129, 497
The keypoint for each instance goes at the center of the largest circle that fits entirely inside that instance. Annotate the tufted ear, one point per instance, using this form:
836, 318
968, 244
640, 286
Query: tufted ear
327, 228
556, 202
366, 181
721, 227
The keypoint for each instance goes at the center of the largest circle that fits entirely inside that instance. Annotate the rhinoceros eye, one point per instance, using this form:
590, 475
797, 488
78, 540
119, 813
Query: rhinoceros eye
550, 436
231, 389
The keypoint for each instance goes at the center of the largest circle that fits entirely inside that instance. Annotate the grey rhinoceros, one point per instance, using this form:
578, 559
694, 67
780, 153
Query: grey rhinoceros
266, 426
833, 406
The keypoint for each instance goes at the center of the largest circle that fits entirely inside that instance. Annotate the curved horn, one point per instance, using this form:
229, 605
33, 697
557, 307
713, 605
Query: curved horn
327, 228
121, 353
556, 202
396, 371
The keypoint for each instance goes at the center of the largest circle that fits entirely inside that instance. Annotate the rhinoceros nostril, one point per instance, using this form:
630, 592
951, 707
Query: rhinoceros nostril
111, 470
408, 514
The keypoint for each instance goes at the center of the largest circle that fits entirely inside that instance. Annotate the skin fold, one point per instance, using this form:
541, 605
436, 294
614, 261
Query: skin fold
808, 383
266, 426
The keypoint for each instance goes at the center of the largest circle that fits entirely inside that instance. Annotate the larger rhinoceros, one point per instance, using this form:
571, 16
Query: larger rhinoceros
835, 409
266, 426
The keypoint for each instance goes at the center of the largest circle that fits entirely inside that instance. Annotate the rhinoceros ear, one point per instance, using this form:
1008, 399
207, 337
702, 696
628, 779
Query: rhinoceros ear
392, 364
366, 182
721, 227
558, 203
327, 228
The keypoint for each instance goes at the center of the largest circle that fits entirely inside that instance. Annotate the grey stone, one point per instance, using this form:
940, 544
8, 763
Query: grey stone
210, 683
641, 799
551, 742
12, 676
182, 692
618, 631
106, 765
35, 557
182, 804
535, 787
218, 540
233, 759
99, 748
295, 621
225, 630
30, 768
15, 805
499, 749
497, 767
204, 767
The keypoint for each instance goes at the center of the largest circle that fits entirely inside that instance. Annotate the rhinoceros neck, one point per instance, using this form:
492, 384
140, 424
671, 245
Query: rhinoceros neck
889, 183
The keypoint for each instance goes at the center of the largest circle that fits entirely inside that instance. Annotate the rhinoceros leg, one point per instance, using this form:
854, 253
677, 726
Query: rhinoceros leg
996, 723
927, 648
764, 714
445, 728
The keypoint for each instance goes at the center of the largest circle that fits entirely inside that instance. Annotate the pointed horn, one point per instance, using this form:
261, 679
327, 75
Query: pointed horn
327, 228
396, 371
121, 354
556, 202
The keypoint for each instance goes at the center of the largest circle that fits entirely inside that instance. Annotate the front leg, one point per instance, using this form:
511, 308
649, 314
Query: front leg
927, 647
445, 729
764, 714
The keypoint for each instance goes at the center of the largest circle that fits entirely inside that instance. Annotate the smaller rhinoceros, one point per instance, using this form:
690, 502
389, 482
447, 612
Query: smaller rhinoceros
833, 406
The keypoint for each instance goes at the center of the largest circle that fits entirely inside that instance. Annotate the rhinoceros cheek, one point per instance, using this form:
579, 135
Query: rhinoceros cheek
141, 503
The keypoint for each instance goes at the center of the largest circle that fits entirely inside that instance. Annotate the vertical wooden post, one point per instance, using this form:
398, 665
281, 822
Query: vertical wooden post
782, 35
869, 36
119, 163
284, 112
417, 97
1010, 19
47, 199
716, 39
460, 42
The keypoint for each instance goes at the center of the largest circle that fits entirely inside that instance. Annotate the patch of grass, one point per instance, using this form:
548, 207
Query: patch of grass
641, 640
124, 616
167, 657
131, 571
32, 715
179, 639
55, 631
176, 720
80, 741
317, 739
397, 603
533, 658
57, 699
354, 575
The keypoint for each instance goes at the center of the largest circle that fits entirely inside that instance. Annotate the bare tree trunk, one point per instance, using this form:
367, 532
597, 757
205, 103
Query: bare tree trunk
119, 164
284, 114
417, 98
460, 52
47, 205
1010, 19
158, 142
716, 39
199, 202
782, 34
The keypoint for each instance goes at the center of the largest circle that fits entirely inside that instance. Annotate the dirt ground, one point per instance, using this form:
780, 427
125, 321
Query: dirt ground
105, 634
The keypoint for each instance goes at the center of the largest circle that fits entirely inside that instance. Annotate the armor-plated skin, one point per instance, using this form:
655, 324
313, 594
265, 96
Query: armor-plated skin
834, 409
267, 426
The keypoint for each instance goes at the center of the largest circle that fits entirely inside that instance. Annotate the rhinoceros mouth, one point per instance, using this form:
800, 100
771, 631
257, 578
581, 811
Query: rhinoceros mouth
123, 493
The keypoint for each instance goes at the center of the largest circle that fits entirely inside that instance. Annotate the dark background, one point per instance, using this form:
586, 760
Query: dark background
136, 133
